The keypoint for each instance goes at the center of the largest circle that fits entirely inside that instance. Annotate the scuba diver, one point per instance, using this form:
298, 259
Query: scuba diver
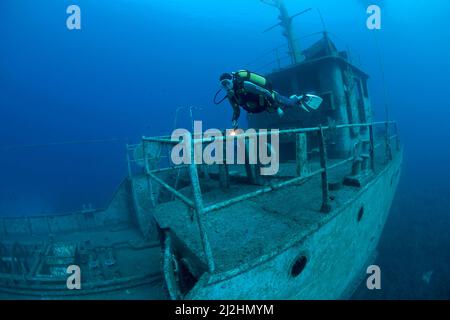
254, 93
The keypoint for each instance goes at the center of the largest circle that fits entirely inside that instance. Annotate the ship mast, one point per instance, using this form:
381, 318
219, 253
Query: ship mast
286, 24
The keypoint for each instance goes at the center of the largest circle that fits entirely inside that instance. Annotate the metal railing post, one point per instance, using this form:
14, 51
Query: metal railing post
224, 174
301, 156
323, 163
199, 208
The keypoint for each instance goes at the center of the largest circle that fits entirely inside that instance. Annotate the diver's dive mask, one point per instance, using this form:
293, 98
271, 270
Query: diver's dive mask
227, 84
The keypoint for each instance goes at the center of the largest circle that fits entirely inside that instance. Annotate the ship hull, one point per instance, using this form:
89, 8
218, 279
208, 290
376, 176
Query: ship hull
338, 253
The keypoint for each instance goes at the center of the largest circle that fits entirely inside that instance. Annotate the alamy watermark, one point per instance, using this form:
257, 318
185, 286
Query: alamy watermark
74, 280
374, 20
373, 282
230, 147
73, 21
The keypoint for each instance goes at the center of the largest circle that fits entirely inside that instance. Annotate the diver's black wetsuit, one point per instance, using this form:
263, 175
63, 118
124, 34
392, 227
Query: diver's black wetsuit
255, 94
251, 102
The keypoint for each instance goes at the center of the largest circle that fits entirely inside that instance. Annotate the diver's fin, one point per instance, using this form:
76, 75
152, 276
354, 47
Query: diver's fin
311, 101
299, 100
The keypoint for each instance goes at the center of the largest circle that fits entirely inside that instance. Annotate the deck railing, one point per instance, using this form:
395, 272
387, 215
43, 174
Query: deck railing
280, 56
197, 204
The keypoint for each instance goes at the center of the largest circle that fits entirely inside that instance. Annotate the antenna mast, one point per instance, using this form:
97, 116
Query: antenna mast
286, 24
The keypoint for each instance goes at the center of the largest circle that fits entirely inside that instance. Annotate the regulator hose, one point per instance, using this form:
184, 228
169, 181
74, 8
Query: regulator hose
215, 97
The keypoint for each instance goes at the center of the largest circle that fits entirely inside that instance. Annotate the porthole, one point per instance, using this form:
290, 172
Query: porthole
298, 266
360, 214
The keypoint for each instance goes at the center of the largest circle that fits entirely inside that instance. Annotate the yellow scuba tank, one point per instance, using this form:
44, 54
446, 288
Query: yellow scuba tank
259, 80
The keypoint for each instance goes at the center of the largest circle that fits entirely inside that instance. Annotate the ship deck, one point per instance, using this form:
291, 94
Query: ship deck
264, 224
124, 245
